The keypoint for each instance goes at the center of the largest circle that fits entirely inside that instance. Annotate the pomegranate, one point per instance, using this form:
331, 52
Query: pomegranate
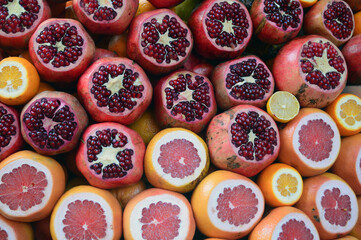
354, 4
110, 155
105, 17
352, 53
184, 99
19, 20
221, 29
52, 122
165, 4
115, 89
276, 22
198, 64
159, 41
332, 19
243, 139
245, 80
61, 50
312, 68
11, 140
102, 53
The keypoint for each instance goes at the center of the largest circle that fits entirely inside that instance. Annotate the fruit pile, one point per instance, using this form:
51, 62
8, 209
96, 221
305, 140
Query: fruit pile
180, 119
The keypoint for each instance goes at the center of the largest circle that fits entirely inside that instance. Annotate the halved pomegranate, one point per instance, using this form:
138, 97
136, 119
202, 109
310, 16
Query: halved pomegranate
332, 19
61, 50
10, 136
159, 41
184, 99
110, 155
245, 80
105, 17
312, 68
276, 22
221, 29
19, 19
52, 122
115, 89
243, 139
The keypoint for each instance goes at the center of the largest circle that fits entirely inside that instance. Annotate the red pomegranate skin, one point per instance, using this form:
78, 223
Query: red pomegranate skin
165, 3
102, 53
352, 53
354, 4
198, 64
287, 74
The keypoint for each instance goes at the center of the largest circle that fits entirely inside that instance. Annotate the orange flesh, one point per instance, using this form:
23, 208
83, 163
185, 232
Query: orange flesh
287, 185
350, 112
10, 77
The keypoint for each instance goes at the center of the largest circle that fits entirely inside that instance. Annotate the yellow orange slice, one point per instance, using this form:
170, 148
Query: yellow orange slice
345, 110
19, 81
280, 184
283, 106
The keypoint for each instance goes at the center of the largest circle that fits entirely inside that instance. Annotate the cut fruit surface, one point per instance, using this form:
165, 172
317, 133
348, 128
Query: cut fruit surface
356, 231
12, 230
283, 106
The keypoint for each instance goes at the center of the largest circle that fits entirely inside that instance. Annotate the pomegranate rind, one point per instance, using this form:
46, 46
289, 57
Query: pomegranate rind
80, 117
354, 4
224, 154
352, 54
224, 100
165, 4
108, 203
17, 141
202, 43
271, 226
268, 31
290, 153
102, 114
16, 230
288, 75
132, 226
314, 22
135, 142
55, 177
154, 171
20, 40
63, 74
310, 203
114, 26
204, 205
135, 49
103, 53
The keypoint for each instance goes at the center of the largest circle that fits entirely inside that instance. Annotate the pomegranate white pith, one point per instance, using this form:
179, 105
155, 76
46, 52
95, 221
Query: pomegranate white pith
291, 196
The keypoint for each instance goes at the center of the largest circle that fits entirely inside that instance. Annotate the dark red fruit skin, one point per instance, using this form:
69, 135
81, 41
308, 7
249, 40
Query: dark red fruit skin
102, 114
268, 31
352, 53
198, 64
133, 175
314, 22
354, 4
115, 26
135, 51
287, 75
42, 229
21, 41
221, 150
165, 3
202, 43
102, 53
224, 100
59, 75
166, 119
17, 141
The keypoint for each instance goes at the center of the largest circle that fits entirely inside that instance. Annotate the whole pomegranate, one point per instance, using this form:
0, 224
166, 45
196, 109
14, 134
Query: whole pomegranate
276, 22
198, 64
61, 50
103, 17
312, 68
165, 4
52, 122
245, 80
332, 19
221, 29
159, 41
352, 53
184, 99
102, 53
110, 155
19, 20
243, 139
115, 89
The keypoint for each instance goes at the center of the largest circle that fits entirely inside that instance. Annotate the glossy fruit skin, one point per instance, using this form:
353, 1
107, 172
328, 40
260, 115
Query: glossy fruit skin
102, 114
352, 53
133, 175
135, 51
287, 74
102, 53
203, 45
60, 75
268, 31
115, 26
165, 4
22, 231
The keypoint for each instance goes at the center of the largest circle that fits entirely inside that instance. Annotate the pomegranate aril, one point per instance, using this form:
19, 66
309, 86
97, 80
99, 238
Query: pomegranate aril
284, 13
7, 128
339, 19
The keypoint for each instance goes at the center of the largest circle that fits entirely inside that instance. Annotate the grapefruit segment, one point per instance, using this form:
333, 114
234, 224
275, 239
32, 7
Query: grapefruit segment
12, 230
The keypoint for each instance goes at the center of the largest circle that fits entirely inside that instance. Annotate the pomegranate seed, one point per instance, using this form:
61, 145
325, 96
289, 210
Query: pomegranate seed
338, 19
284, 13
7, 129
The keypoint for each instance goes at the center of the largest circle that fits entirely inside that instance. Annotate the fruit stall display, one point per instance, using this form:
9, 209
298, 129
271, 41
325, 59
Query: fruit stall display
180, 119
